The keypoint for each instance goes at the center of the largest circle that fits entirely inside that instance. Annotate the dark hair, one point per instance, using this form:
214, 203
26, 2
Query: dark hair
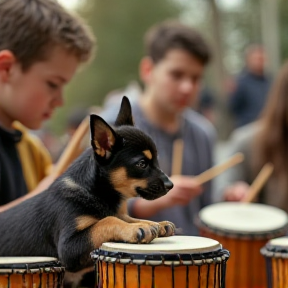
272, 141
31, 28
168, 35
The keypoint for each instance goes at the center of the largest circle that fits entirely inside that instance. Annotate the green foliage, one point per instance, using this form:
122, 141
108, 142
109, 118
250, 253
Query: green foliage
119, 26
283, 19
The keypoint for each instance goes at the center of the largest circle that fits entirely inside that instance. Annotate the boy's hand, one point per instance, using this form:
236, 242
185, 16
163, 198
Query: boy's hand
185, 189
236, 192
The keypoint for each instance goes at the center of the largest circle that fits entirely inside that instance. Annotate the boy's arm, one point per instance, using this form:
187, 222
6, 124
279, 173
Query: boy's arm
184, 190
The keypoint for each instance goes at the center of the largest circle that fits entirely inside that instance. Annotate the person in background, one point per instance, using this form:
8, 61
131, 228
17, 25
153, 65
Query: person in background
249, 96
207, 104
172, 71
263, 141
41, 47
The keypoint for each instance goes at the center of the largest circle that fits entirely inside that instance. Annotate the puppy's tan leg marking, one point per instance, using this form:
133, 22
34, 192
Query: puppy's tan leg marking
115, 229
75, 278
85, 221
165, 228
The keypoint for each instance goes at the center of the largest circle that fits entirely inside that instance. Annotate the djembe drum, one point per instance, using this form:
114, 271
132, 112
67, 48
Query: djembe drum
243, 229
276, 255
30, 272
176, 261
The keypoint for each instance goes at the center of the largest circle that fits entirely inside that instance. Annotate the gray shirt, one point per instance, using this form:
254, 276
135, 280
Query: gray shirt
198, 137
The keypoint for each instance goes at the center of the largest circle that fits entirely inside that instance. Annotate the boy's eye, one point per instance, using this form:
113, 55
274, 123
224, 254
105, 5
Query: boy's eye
142, 164
52, 85
176, 74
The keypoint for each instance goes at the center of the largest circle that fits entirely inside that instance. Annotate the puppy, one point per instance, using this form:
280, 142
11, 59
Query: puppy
86, 206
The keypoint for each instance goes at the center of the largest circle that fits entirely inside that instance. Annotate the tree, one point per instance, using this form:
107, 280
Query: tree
119, 26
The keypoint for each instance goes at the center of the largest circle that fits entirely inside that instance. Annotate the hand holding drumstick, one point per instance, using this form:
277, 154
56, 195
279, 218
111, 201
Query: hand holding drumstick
188, 187
241, 191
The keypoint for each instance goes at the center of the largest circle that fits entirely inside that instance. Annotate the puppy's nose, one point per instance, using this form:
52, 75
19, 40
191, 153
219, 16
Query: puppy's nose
168, 184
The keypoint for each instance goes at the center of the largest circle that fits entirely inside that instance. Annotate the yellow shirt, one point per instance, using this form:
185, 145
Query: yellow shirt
34, 157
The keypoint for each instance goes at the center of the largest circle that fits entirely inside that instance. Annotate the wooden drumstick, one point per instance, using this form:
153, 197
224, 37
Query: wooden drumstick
73, 149
258, 183
177, 157
218, 169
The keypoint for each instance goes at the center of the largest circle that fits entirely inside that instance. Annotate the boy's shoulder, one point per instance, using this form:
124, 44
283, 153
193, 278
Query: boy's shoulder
32, 145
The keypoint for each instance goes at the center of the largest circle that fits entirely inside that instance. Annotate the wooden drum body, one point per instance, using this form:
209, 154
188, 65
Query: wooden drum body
30, 272
243, 229
276, 255
176, 261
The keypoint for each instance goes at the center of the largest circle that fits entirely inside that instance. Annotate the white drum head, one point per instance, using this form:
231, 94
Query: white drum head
243, 217
280, 242
166, 245
26, 260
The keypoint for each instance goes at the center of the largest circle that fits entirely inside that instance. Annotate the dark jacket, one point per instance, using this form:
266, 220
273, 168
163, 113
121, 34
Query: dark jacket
249, 97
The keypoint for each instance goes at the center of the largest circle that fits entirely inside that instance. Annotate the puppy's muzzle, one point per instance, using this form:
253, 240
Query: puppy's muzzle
167, 183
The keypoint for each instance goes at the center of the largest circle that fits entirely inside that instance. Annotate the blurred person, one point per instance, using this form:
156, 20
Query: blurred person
261, 142
41, 47
75, 118
50, 141
206, 104
172, 71
114, 97
249, 96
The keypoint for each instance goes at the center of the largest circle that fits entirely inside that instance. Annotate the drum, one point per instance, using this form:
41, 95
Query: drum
276, 255
30, 272
243, 229
176, 261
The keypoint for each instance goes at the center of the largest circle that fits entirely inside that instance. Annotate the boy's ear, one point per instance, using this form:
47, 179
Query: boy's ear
125, 114
145, 69
7, 59
103, 137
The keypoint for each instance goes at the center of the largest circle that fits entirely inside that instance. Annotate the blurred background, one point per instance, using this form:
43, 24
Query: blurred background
119, 25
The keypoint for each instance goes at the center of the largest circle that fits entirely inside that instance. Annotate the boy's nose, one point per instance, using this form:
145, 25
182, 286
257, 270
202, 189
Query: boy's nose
187, 86
58, 101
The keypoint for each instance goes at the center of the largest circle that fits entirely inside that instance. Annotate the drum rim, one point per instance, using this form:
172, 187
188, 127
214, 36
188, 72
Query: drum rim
33, 267
275, 250
152, 259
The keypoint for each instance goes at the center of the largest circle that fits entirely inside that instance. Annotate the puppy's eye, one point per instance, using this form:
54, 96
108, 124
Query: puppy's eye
142, 164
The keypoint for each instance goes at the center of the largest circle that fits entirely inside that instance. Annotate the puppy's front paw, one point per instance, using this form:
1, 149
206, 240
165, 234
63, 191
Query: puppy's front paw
167, 229
140, 233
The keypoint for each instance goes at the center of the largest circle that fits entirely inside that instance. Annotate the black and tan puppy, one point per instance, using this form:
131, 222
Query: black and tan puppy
86, 206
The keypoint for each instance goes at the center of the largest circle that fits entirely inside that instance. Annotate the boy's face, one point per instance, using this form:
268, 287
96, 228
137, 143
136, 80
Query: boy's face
31, 96
175, 80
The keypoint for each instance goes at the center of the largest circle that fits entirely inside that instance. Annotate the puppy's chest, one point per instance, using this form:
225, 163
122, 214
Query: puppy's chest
100, 208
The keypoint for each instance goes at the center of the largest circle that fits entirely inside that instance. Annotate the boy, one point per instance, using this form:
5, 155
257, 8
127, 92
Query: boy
41, 46
172, 72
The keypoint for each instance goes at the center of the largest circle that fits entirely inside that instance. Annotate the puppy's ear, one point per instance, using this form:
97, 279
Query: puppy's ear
125, 114
103, 137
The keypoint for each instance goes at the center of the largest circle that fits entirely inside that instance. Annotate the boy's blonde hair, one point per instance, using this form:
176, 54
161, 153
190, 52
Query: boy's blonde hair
30, 29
